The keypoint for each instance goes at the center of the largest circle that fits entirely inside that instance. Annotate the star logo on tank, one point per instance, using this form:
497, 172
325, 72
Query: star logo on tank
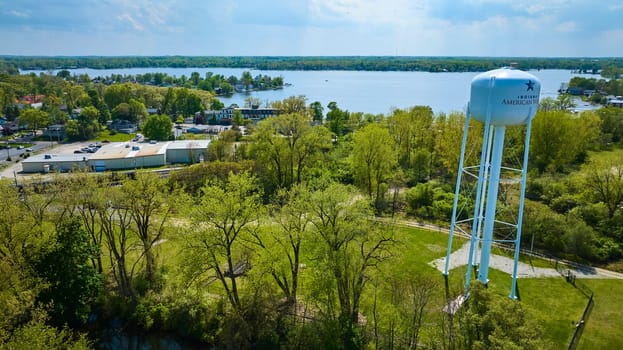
530, 85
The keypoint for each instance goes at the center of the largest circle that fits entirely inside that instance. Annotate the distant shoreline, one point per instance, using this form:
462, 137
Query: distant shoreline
591, 65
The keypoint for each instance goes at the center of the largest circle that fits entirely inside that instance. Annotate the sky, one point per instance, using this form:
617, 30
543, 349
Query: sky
517, 28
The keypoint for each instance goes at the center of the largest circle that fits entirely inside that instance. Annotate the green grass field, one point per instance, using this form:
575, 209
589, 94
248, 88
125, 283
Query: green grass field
604, 329
556, 304
117, 137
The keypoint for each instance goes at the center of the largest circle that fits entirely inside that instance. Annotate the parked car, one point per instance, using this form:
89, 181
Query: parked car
28, 149
20, 147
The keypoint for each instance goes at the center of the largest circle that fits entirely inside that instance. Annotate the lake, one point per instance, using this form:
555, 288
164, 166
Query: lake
357, 91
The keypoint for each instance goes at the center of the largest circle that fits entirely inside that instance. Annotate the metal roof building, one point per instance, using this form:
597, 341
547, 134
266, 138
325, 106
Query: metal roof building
130, 155
44, 163
187, 152
121, 156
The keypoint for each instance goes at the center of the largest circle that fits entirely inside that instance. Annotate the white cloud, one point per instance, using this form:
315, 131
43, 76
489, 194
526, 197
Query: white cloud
616, 7
566, 27
535, 8
367, 12
126, 17
21, 14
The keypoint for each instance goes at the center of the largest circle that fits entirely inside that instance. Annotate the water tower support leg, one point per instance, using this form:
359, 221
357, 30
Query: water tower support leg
483, 197
456, 193
480, 188
524, 173
492, 196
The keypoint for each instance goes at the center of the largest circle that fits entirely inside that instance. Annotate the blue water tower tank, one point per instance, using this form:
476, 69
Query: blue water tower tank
509, 94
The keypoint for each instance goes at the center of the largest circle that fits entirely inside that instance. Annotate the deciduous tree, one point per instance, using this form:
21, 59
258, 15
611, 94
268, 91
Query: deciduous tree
374, 159
73, 281
348, 248
150, 207
225, 218
158, 127
287, 237
287, 145
33, 119
559, 139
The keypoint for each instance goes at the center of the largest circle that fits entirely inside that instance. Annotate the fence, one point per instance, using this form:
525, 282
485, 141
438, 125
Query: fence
579, 327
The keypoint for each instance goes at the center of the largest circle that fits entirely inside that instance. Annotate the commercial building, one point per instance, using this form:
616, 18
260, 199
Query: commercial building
226, 115
187, 152
121, 156
130, 155
45, 163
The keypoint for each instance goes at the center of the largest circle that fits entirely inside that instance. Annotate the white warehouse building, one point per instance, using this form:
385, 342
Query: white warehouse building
121, 156
45, 163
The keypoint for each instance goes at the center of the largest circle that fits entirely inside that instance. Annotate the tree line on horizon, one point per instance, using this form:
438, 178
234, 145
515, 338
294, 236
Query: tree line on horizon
594, 65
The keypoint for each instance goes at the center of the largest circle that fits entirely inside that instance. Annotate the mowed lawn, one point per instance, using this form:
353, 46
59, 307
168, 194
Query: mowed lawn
556, 304
604, 329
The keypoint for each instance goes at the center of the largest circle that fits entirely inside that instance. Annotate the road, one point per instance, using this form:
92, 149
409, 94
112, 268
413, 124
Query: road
14, 152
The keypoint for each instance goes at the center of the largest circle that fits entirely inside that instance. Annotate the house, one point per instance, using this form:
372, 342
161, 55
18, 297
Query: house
564, 88
75, 113
576, 91
615, 101
55, 132
152, 111
123, 126
31, 99
198, 129
9, 128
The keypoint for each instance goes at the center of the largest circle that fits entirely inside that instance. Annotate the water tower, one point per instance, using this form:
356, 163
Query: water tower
498, 98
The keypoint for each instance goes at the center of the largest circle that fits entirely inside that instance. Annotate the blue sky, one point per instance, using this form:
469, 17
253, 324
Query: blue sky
548, 28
